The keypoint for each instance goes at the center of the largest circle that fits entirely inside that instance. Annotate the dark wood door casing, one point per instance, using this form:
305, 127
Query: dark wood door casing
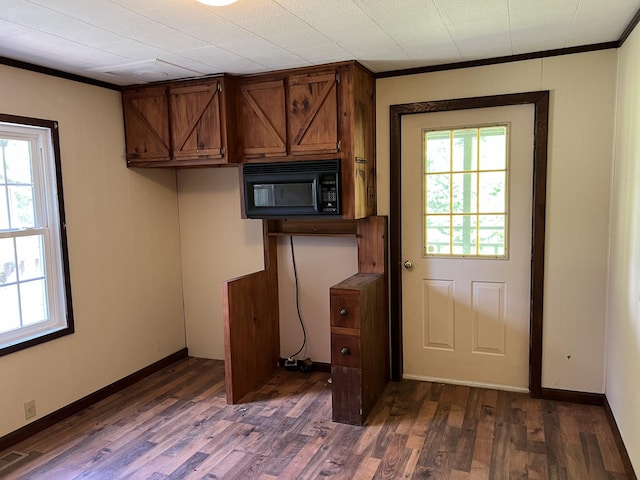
540, 101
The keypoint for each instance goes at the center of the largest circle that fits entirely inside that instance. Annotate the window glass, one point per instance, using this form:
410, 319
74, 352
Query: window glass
465, 192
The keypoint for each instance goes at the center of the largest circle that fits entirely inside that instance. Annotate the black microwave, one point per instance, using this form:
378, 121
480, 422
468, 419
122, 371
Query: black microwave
292, 189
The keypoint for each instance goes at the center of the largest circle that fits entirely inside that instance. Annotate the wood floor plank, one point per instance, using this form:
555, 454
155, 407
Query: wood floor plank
500, 450
176, 424
367, 469
395, 458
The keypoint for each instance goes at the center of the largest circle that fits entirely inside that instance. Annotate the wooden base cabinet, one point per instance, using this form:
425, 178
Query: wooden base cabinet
359, 346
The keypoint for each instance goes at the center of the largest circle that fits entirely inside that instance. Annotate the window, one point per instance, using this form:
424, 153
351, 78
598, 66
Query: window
35, 299
465, 192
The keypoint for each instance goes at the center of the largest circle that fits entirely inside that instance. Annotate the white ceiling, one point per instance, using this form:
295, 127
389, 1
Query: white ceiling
135, 41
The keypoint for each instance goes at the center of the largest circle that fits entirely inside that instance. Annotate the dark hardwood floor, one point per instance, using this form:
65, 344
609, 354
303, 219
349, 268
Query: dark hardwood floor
175, 425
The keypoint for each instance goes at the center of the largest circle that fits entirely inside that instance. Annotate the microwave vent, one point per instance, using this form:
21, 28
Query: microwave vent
292, 167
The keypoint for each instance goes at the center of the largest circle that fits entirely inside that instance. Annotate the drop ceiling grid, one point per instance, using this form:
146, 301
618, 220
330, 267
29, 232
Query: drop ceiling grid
92, 36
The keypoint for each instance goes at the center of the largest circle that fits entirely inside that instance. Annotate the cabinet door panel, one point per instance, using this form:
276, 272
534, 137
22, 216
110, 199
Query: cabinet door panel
196, 122
146, 116
263, 119
313, 113
346, 398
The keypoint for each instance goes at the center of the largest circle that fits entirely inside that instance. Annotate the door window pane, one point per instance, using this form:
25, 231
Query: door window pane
438, 232
438, 151
464, 234
465, 150
439, 200
492, 188
465, 192
465, 195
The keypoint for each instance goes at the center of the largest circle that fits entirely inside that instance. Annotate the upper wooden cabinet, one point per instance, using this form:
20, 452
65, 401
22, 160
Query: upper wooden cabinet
180, 124
316, 113
324, 112
263, 119
146, 120
296, 115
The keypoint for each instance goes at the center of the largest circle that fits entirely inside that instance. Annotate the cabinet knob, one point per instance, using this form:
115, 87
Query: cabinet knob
345, 351
344, 312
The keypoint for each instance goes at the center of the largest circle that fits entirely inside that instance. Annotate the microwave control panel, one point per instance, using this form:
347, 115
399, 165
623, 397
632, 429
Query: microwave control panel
330, 202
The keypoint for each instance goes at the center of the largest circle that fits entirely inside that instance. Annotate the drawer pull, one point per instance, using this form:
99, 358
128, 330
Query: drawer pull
345, 351
344, 312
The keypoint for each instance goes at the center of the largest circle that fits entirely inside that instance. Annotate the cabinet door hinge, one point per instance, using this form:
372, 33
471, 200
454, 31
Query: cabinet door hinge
337, 77
222, 151
219, 87
339, 145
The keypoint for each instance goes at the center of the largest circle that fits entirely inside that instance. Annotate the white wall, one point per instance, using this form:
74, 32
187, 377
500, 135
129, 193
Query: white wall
124, 251
580, 143
623, 319
218, 245
321, 263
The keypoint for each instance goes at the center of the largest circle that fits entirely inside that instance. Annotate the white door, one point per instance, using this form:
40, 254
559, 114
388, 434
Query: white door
466, 290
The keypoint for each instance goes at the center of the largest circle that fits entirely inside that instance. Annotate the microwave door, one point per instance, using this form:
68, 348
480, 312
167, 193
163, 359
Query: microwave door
287, 194
263, 195
296, 194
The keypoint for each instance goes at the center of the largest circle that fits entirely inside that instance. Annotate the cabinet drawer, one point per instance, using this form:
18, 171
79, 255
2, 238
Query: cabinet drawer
345, 311
345, 350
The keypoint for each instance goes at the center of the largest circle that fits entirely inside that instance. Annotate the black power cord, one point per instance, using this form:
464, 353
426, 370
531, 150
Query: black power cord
295, 276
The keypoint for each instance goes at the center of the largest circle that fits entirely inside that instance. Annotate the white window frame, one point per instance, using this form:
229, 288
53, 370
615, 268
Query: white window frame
49, 222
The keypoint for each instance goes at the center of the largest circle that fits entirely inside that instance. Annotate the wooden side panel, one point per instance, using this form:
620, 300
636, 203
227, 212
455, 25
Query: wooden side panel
372, 244
312, 110
251, 328
364, 142
375, 344
197, 122
262, 119
146, 117
346, 398
356, 102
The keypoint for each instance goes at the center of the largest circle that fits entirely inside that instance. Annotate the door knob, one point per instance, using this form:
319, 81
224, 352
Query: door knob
408, 264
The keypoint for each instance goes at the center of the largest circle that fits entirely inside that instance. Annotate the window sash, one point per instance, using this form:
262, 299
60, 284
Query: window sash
47, 223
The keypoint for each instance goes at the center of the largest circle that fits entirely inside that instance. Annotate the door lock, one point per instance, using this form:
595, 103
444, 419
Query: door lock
408, 264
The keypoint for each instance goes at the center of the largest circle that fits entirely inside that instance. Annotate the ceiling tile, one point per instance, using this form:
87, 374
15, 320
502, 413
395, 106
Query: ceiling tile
467, 11
259, 35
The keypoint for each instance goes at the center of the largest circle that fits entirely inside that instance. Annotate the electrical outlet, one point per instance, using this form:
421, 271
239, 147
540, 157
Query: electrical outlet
29, 409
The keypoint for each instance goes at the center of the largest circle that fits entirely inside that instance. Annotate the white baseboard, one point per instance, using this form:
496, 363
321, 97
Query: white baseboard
507, 388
